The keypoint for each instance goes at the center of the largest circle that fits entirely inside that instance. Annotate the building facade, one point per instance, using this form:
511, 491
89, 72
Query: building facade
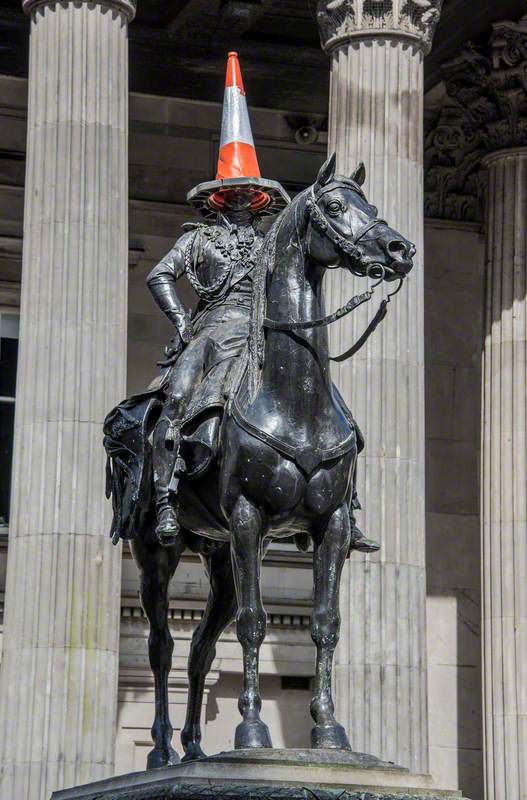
109, 114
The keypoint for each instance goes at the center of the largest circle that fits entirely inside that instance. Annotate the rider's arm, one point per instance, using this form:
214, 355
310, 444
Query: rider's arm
162, 284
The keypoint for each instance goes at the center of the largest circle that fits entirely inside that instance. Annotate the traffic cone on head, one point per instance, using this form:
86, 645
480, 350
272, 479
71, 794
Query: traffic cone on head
238, 174
237, 157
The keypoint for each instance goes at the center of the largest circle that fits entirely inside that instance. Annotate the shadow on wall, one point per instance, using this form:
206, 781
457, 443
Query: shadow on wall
454, 258
285, 711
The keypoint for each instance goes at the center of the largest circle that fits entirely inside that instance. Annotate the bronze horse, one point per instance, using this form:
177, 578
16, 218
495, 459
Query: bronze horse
286, 451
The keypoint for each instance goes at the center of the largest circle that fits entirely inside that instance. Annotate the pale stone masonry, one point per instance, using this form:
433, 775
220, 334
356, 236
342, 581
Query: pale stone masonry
61, 627
376, 114
482, 130
504, 479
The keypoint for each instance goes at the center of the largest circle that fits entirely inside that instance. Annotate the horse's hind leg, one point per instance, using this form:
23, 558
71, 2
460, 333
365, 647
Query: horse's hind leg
219, 612
331, 549
247, 554
157, 565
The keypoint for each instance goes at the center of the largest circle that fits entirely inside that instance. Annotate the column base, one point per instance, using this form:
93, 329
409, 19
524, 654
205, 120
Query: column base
266, 774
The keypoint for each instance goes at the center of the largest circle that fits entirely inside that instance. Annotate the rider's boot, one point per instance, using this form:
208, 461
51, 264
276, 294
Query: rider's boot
168, 467
358, 540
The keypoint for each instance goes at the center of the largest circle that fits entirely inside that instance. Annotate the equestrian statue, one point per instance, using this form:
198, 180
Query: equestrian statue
243, 437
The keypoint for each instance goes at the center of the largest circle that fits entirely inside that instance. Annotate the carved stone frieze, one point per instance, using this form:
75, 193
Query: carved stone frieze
342, 20
485, 109
454, 178
455, 142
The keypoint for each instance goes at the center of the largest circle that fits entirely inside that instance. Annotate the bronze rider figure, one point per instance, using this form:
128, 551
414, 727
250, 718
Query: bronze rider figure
218, 258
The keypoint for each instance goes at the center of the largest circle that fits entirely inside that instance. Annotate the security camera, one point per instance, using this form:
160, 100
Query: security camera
307, 134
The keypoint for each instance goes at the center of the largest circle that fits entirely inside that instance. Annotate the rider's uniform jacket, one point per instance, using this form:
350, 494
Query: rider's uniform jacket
217, 259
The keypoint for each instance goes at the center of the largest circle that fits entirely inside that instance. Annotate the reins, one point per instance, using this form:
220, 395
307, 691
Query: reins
352, 304
377, 319
351, 249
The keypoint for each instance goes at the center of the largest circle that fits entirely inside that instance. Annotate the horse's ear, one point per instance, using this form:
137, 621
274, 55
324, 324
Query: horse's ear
327, 170
359, 176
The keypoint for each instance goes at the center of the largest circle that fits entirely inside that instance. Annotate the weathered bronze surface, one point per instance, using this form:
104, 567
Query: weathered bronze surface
208, 791
251, 440
268, 775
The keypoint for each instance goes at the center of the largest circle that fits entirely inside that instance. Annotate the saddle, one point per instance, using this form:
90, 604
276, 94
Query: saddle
127, 440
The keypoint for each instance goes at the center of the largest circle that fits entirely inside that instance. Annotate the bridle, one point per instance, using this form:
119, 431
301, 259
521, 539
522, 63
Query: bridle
320, 221
350, 248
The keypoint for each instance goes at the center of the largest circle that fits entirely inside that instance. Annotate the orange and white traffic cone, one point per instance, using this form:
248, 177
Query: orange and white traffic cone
238, 169
237, 157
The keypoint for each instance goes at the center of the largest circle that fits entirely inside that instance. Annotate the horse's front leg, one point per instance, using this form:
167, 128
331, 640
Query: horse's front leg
247, 552
157, 564
331, 549
219, 612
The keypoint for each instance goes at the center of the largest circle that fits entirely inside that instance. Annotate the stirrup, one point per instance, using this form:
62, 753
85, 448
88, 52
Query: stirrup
364, 545
359, 542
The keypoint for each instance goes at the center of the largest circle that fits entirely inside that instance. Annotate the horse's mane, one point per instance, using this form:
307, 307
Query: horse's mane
264, 267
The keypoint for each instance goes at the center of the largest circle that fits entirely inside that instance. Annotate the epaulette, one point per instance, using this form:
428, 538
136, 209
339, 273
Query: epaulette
193, 226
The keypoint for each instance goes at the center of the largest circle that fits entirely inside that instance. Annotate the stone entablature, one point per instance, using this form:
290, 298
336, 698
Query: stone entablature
195, 615
485, 109
340, 21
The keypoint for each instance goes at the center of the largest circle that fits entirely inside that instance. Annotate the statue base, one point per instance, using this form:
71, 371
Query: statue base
261, 774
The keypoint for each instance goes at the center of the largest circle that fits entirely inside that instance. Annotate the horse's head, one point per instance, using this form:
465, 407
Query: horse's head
345, 231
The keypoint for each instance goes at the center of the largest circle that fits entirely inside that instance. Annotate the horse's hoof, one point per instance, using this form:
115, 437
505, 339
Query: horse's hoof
162, 757
331, 736
253, 733
193, 752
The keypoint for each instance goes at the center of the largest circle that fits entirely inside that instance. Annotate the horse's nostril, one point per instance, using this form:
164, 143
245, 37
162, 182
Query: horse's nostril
397, 248
412, 250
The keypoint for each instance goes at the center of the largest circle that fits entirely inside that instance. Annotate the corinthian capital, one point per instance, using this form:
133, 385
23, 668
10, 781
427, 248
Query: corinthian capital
126, 7
340, 21
508, 46
508, 80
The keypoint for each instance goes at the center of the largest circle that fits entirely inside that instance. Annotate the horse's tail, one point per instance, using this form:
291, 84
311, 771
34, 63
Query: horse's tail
129, 483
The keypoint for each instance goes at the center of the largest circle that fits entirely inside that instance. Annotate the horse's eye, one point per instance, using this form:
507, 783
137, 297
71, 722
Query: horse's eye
334, 207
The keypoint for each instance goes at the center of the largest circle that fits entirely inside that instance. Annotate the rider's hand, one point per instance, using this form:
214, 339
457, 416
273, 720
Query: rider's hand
185, 329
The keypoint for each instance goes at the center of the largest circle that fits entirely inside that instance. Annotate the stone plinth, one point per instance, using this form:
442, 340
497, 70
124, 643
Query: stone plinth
269, 775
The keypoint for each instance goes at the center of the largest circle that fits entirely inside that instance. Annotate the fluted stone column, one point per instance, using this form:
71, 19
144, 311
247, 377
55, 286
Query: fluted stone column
61, 628
483, 126
504, 479
376, 115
